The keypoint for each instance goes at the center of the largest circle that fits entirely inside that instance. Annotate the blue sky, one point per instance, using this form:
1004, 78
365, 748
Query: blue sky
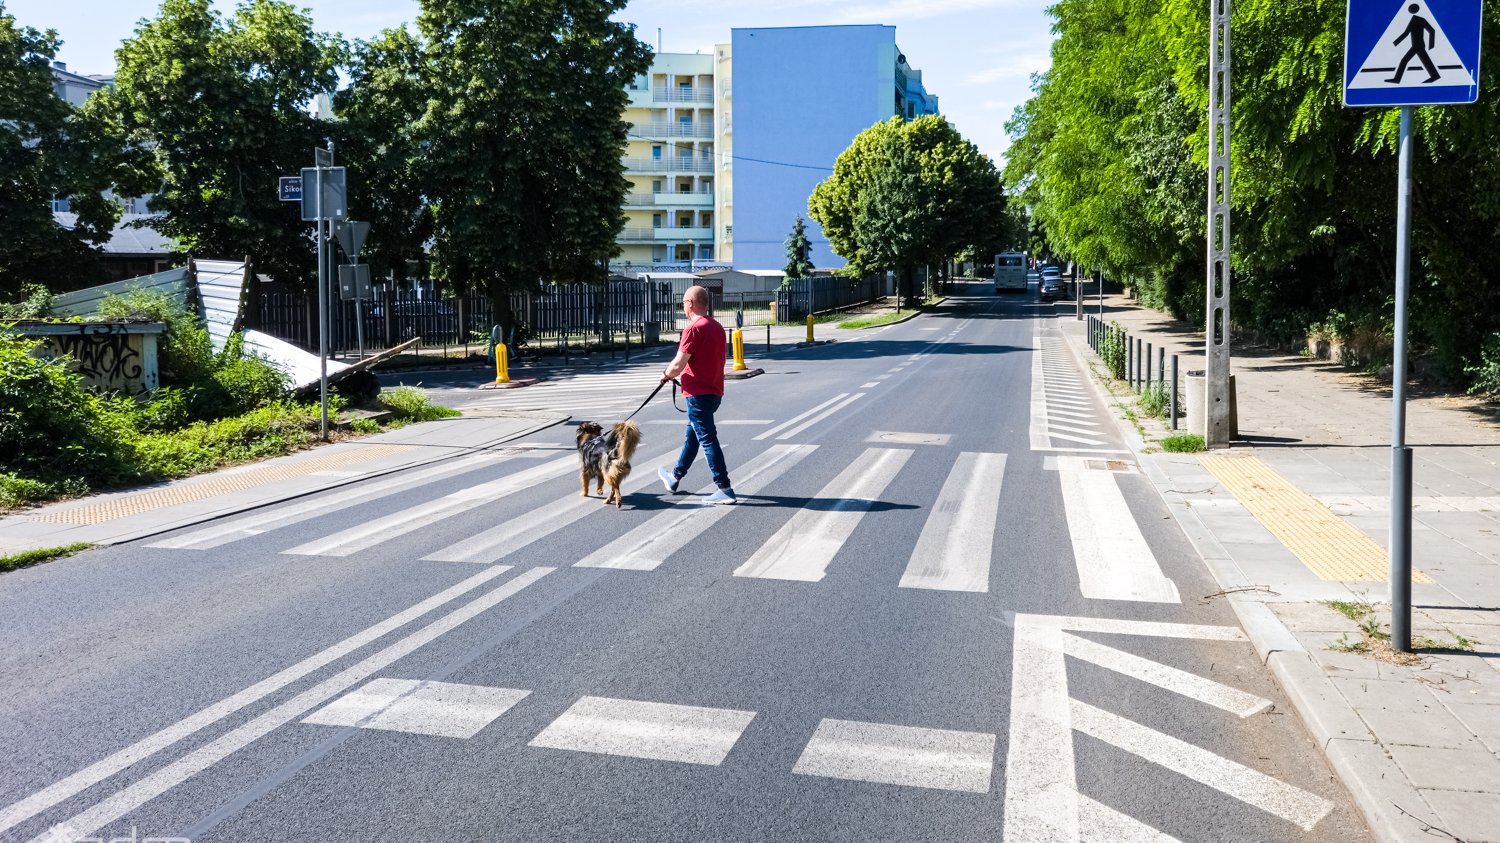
976, 55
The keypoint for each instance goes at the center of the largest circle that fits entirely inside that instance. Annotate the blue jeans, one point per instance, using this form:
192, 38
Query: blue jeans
701, 430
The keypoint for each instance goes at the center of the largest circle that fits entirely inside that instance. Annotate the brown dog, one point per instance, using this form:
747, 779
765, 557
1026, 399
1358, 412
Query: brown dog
604, 456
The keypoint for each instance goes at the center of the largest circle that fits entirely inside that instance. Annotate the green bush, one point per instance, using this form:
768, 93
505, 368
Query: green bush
187, 355
1486, 373
365, 426
1184, 443
201, 446
16, 490
411, 404
35, 303
1154, 400
52, 427
1112, 350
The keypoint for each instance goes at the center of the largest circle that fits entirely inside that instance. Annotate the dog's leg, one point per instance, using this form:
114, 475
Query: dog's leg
615, 491
584, 475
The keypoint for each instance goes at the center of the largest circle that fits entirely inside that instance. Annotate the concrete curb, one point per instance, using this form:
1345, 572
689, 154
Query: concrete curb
1367, 771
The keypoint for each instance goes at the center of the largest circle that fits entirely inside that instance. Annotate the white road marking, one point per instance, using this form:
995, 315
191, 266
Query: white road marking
1053, 427
234, 529
124, 801
1114, 562
1041, 786
799, 417
1252, 787
685, 733
870, 385
904, 755
146, 747
1075, 416
367, 535
443, 709
804, 546
957, 542
649, 545
498, 542
1068, 437
1206, 691
1042, 803
1068, 450
821, 416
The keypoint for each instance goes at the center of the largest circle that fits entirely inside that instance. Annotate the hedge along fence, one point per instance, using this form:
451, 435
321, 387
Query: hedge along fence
799, 298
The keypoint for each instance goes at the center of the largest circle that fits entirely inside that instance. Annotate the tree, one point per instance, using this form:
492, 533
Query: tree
523, 135
48, 150
220, 109
798, 252
384, 151
909, 194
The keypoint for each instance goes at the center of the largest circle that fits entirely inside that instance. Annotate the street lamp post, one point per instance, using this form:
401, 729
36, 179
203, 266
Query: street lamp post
1217, 393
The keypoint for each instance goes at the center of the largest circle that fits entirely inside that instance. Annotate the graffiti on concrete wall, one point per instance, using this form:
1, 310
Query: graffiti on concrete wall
110, 356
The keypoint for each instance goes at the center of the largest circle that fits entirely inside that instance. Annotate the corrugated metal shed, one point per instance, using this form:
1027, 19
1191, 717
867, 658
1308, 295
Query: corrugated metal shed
221, 297
173, 282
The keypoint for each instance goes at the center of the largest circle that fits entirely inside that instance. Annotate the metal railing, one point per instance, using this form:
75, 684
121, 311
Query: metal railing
668, 129
799, 298
669, 165
666, 94
1134, 360
568, 313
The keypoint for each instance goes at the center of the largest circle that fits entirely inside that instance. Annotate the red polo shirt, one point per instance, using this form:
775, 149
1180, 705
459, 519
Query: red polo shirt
703, 342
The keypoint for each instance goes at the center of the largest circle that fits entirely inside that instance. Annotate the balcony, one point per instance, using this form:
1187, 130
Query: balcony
668, 129
636, 234
669, 165
669, 200
701, 235
665, 94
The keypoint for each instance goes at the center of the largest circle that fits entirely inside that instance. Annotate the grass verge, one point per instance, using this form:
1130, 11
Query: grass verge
873, 321
1184, 443
27, 558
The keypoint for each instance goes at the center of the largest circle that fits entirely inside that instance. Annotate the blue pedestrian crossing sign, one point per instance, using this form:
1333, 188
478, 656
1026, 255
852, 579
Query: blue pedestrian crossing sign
1412, 52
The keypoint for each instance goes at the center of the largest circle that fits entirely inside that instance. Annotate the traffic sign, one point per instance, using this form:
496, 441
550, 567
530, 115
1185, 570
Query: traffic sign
354, 282
335, 194
1412, 52
351, 236
291, 188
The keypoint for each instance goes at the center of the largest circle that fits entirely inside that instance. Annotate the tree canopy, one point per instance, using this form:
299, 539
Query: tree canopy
1110, 157
909, 194
48, 150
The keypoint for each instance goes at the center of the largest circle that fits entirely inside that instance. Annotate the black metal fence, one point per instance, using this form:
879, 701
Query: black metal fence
575, 313
801, 297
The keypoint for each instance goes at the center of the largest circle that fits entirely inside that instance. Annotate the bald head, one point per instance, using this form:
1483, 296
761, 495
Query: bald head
695, 298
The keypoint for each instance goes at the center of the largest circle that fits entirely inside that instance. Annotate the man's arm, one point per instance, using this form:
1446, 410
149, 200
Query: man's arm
675, 368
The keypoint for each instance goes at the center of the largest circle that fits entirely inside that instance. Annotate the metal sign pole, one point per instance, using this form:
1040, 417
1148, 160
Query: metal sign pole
1401, 456
1217, 393
322, 304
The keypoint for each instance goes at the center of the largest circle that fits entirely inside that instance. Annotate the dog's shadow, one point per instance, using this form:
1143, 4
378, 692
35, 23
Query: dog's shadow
649, 501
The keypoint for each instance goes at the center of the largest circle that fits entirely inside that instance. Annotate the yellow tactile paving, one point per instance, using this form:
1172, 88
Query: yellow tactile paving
1329, 546
98, 512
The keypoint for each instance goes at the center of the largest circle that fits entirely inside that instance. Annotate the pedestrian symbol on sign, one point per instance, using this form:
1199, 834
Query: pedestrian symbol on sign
1413, 41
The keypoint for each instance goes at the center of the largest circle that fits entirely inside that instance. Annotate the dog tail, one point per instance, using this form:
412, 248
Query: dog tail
627, 436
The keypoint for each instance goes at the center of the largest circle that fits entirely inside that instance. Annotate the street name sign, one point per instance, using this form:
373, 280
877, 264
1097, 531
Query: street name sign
1412, 52
291, 189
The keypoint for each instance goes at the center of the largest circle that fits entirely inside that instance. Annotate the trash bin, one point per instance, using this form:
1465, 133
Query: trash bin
1193, 388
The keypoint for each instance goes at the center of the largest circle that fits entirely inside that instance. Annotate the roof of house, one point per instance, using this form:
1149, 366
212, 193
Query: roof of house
125, 239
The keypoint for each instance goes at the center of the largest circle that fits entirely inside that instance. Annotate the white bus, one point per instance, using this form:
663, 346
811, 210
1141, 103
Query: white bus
1010, 271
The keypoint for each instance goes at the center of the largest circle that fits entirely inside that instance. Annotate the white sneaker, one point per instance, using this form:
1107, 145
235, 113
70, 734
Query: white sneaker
720, 496
667, 480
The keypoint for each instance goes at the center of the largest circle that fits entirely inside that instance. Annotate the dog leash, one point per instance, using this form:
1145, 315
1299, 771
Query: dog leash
653, 395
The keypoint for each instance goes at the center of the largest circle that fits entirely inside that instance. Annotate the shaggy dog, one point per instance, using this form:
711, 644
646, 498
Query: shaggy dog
604, 456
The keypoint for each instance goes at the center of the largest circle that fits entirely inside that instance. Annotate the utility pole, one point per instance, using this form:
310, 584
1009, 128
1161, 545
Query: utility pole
1217, 393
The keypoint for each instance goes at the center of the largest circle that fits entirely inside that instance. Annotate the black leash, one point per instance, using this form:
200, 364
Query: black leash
653, 395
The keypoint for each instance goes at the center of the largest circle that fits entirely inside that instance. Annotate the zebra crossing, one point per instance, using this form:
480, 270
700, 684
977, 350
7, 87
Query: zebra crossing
1062, 412
581, 394
955, 550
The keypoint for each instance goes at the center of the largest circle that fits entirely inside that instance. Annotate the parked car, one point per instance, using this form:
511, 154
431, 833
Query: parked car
1053, 288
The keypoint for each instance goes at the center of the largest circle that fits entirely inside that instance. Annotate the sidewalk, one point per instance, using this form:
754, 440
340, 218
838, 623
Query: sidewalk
125, 516
1292, 521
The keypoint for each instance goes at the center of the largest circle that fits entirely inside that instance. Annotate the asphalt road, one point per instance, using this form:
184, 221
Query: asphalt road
945, 608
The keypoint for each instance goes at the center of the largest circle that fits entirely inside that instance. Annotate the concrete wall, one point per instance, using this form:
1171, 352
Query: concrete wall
801, 94
111, 356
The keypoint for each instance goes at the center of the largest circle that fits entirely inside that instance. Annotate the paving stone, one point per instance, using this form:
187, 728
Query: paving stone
1372, 694
1470, 817
1313, 617
1482, 720
1447, 769
1433, 728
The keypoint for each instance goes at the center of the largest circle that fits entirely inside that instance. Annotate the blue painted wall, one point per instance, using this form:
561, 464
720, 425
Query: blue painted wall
801, 94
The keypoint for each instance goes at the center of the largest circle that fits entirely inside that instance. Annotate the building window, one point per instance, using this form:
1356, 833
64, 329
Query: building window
656, 186
656, 220
656, 152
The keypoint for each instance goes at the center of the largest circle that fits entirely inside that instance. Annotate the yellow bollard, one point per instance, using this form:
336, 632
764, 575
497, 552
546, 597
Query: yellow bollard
502, 364
809, 327
739, 350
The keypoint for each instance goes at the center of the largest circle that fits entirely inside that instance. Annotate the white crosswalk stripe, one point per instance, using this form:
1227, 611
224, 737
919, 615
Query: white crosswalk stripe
953, 553
582, 394
1062, 416
803, 548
